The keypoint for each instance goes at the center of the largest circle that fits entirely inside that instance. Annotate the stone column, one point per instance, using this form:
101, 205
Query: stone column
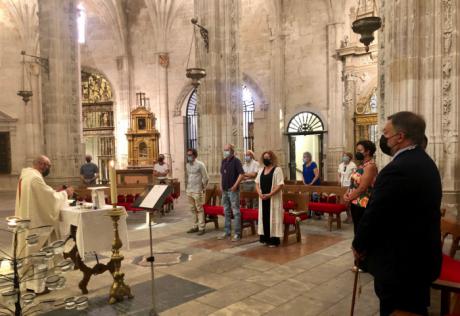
418, 71
277, 104
336, 114
123, 110
163, 98
60, 89
220, 104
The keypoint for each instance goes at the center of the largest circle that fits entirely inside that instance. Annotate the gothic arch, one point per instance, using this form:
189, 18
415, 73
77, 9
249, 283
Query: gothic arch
181, 99
261, 103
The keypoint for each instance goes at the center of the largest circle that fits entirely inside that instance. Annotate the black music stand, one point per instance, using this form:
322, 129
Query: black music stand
152, 199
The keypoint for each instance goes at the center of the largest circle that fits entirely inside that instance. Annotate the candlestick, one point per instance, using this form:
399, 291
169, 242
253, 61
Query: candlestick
113, 183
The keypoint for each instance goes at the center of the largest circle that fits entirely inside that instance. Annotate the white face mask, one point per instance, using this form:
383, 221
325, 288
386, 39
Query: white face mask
226, 153
247, 158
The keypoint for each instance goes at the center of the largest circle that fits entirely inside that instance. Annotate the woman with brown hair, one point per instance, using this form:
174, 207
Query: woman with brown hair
269, 182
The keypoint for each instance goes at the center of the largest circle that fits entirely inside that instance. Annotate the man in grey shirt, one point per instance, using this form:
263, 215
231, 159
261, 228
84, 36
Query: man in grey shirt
89, 172
197, 180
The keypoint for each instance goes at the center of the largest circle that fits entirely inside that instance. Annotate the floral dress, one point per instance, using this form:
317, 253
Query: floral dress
355, 180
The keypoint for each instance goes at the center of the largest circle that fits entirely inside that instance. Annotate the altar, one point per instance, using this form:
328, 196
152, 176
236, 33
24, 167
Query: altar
94, 228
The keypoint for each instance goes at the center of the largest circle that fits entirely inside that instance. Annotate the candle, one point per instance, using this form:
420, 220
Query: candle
113, 183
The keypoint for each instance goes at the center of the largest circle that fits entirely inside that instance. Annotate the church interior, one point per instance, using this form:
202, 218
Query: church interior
128, 81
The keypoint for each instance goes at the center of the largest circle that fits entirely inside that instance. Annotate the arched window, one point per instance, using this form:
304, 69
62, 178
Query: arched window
81, 23
248, 119
305, 122
192, 121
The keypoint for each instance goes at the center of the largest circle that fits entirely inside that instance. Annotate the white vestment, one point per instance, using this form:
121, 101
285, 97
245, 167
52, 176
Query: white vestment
38, 201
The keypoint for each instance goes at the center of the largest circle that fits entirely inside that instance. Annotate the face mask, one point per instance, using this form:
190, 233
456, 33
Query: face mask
384, 145
267, 162
160, 159
305, 160
359, 156
46, 172
247, 158
346, 159
226, 153
88, 160
189, 158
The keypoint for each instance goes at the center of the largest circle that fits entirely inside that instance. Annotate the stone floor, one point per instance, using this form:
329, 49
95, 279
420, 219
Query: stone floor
200, 275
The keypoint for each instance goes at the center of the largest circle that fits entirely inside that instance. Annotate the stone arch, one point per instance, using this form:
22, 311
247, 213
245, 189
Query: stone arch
257, 93
182, 98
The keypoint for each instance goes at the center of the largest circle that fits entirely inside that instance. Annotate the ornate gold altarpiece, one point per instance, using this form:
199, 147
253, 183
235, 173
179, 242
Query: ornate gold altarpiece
98, 120
143, 139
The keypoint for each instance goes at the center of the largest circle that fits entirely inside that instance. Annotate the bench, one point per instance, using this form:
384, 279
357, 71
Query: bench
249, 216
328, 200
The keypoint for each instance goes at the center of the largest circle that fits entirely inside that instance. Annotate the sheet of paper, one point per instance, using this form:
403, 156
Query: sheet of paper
153, 196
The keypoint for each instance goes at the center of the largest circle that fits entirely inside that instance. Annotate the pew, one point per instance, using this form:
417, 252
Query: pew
328, 199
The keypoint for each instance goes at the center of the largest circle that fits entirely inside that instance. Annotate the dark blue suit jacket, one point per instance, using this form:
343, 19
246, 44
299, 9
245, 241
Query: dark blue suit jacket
400, 229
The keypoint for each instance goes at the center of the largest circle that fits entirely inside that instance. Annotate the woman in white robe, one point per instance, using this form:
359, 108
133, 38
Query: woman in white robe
269, 183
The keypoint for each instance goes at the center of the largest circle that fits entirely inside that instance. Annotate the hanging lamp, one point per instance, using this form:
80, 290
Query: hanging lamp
23, 93
196, 73
366, 26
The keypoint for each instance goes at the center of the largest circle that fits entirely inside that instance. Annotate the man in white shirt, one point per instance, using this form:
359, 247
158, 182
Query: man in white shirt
346, 169
161, 169
250, 167
197, 180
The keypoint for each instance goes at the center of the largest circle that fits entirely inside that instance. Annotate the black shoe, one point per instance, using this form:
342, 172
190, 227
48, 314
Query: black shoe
192, 230
201, 232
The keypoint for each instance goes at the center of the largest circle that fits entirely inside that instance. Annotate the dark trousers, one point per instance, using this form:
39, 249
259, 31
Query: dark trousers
357, 213
266, 238
410, 297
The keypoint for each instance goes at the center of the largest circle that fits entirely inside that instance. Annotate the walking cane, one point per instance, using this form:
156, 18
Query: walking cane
355, 287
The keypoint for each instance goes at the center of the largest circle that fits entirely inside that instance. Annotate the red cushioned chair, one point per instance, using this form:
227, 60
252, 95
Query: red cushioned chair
129, 198
448, 282
211, 209
294, 215
121, 198
249, 216
331, 205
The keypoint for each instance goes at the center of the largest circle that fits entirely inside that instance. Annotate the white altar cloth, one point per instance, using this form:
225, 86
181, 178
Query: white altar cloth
94, 228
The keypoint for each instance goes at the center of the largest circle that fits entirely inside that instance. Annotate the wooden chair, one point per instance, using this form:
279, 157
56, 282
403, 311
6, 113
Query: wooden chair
294, 217
249, 216
211, 200
448, 282
450, 226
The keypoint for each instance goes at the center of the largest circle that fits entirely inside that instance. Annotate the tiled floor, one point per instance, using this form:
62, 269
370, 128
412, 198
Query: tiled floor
225, 278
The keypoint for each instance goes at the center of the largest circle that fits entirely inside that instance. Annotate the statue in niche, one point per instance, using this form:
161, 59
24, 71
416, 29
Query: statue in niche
143, 151
447, 42
105, 119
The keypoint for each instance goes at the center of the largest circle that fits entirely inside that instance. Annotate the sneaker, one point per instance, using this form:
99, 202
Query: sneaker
192, 230
223, 236
272, 246
201, 232
236, 238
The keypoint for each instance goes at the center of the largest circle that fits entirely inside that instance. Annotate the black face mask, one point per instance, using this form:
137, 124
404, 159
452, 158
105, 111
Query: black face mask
359, 156
384, 146
267, 162
46, 172
88, 160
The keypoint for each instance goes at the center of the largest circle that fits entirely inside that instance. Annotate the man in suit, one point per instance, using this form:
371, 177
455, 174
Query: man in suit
398, 237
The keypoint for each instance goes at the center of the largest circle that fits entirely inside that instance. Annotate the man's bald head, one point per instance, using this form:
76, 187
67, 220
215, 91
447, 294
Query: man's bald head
42, 164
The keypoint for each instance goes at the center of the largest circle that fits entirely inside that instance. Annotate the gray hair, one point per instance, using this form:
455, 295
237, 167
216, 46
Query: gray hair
411, 124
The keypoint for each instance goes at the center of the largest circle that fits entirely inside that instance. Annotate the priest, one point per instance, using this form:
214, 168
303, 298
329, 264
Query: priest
38, 201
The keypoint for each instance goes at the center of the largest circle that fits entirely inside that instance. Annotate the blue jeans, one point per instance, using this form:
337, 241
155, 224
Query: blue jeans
231, 203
